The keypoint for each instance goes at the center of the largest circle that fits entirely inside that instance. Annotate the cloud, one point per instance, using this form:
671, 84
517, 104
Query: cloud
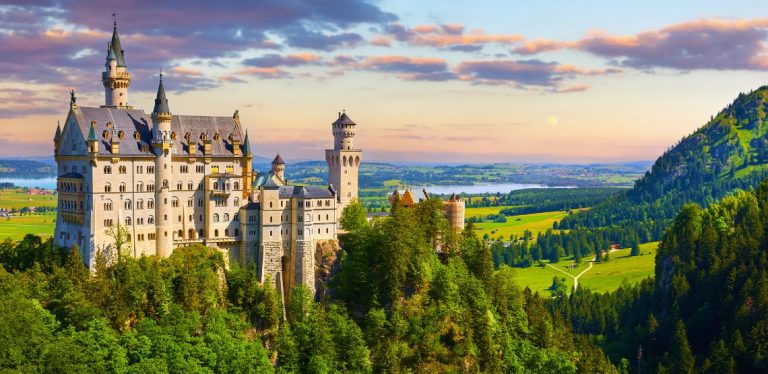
714, 44
20, 102
448, 36
524, 73
65, 42
274, 60
410, 68
301, 37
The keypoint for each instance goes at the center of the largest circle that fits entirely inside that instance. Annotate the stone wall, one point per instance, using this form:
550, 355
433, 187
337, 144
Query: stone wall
305, 263
271, 258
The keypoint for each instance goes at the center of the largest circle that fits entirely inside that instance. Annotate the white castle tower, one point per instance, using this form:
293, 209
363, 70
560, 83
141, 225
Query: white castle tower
343, 160
162, 142
115, 78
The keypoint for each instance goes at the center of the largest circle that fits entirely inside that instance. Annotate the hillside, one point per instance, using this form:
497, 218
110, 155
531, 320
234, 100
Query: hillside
729, 152
707, 307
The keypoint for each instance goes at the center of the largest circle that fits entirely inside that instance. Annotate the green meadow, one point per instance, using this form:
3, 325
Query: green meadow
16, 198
603, 277
516, 225
622, 267
16, 226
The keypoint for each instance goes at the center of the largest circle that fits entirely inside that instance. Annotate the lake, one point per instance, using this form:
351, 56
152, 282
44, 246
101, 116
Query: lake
481, 188
49, 183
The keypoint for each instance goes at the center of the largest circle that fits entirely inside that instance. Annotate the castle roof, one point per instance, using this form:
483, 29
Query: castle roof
116, 48
306, 192
344, 120
136, 123
246, 145
161, 102
278, 160
57, 135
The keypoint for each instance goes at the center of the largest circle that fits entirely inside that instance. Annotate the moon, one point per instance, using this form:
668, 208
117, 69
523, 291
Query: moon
552, 120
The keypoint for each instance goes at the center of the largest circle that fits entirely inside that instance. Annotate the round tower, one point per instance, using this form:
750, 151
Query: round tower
278, 167
115, 78
162, 144
343, 161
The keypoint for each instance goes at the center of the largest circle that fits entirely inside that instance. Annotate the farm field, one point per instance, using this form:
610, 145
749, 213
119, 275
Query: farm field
608, 276
17, 226
15, 198
516, 225
484, 211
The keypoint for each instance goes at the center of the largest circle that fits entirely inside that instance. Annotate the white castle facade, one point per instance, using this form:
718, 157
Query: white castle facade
173, 180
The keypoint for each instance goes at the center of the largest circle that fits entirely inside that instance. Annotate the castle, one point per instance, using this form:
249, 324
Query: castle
170, 180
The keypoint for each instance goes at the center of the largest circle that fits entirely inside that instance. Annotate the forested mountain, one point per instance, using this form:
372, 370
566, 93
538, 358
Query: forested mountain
706, 310
729, 152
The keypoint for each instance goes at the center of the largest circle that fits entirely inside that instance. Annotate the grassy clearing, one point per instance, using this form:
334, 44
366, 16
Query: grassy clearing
535, 222
17, 226
603, 277
15, 198
608, 276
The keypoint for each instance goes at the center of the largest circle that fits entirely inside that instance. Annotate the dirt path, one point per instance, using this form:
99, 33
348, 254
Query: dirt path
576, 278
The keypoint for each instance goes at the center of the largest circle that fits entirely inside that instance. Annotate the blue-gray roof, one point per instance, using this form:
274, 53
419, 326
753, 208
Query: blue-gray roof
306, 192
161, 102
344, 120
117, 49
136, 121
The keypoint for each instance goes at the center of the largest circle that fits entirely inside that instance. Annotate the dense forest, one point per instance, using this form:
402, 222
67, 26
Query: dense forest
393, 305
706, 310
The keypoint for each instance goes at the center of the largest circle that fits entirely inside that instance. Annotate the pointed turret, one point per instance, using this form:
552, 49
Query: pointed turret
92, 133
57, 136
161, 102
278, 167
116, 49
115, 77
246, 145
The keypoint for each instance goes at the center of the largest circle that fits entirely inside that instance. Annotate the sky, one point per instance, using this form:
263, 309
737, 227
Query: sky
426, 81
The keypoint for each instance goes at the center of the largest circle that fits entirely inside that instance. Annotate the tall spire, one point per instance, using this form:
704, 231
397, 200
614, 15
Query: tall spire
115, 46
161, 102
57, 136
247, 144
92, 133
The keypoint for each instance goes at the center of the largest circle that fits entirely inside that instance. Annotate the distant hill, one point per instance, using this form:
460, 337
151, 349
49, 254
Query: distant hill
727, 153
17, 168
379, 175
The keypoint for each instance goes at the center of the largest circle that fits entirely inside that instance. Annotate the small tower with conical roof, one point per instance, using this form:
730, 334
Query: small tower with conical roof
343, 160
278, 167
115, 78
162, 144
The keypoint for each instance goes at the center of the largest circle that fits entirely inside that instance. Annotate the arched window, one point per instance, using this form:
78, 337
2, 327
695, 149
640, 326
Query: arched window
236, 201
215, 185
216, 233
189, 186
122, 187
107, 188
181, 234
127, 221
139, 187
226, 217
215, 217
165, 183
151, 220
191, 233
226, 232
201, 234
237, 186
179, 185
108, 206
107, 169
151, 204
139, 204
127, 204
190, 201
175, 202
